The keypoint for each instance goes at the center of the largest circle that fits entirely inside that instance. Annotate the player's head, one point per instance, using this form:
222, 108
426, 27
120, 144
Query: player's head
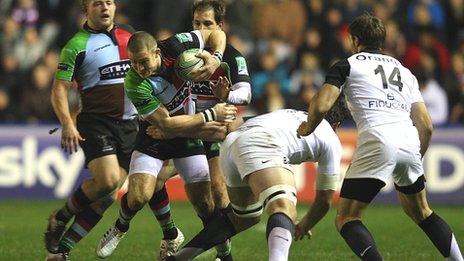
208, 14
99, 13
367, 31
144, 53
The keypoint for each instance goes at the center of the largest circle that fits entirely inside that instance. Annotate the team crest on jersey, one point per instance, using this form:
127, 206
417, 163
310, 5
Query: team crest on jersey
115, 70
184, 37
242, 66
63, 67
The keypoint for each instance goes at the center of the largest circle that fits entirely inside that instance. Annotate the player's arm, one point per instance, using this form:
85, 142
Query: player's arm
238, 91
216, 41
319, 105
210, 131
326, 97
421, 119
70, 137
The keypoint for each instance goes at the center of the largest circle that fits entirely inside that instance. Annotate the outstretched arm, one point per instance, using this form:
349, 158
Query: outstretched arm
320, 104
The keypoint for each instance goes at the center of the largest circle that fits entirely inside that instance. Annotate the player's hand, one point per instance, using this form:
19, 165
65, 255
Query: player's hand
209, 67
70, 138
157, 133
303, 129
225, 112
302, 230
214, 131
221, 88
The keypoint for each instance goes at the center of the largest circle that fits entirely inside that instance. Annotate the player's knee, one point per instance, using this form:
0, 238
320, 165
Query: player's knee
418, 214
203, 205
108, 182
279, 198
341, 220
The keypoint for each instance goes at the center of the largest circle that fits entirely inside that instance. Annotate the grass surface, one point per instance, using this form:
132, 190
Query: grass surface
23, 222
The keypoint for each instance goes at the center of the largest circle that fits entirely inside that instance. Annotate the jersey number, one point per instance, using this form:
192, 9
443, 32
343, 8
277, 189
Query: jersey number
391, 79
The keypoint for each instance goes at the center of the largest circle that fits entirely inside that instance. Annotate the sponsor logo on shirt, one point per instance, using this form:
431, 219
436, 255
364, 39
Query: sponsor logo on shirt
115, 70
184, 37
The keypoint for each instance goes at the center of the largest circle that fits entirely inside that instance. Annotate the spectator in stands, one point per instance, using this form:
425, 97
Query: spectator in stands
395, 42
308, 72
427, 13
7, 112
272, 100
284, 20
26, 13
428, 43
36, 101
9, 36
454, 10
456, 84
434, 96
30, 49
270, 70
306, 91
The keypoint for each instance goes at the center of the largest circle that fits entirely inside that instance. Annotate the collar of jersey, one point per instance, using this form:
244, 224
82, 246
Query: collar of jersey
371, 50
93, 31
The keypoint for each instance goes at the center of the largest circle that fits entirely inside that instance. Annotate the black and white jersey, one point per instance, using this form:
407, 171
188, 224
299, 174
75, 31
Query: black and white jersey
378, 88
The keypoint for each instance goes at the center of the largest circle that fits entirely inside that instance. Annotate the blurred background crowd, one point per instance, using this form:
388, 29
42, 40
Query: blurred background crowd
289, 44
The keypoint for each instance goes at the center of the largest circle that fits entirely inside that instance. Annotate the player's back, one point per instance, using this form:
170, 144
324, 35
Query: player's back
379, 89
284, 124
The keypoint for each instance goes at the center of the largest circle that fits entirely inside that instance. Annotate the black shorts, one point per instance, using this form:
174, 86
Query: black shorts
167, 149
105, 136
211, 149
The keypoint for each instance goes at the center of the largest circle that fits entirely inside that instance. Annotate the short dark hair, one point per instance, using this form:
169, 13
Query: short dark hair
218, 6
369, 30
141, 41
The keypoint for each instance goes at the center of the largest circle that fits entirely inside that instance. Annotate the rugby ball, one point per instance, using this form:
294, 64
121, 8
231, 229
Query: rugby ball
186, 62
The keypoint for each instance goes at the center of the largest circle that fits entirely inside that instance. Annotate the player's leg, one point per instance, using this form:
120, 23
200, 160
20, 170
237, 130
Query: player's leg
219, 193
355, 196
100, 148
159, 203
246, 213
414, 202
142, 179
275, 188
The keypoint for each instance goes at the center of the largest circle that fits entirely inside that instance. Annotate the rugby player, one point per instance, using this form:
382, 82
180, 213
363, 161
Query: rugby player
96, 59
209, 14
394, 133
163, 100
255, 159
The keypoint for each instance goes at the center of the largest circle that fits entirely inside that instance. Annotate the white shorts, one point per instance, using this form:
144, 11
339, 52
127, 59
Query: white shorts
388, 150
192, 169
247, 151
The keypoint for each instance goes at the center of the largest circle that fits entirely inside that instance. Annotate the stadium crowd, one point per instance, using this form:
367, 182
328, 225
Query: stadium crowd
289, 44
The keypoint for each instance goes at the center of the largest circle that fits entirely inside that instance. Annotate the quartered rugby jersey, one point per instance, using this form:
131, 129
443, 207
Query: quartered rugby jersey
234, 67
98, 62
378, 89
165, 87
284, 123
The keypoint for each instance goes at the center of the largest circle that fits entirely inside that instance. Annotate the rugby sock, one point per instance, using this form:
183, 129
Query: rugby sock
125, 215
223, 248
83, 223
279, 233
360, 240
224, 251
441, 236
159, 205
217, 231
75, 204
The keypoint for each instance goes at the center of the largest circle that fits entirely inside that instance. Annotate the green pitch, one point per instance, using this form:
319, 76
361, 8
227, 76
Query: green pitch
22, 224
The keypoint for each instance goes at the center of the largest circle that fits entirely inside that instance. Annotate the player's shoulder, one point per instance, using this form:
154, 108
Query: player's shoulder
126, 28
78, 42
132, 80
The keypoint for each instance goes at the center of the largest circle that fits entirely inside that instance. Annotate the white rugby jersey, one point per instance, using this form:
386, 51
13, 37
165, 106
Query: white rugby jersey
378, 89
285, 124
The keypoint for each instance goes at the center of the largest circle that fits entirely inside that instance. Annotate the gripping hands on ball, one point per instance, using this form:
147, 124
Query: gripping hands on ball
209, 67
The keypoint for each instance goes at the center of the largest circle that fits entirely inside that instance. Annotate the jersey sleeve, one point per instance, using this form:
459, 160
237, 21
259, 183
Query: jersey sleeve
176, 44
237, 65
338, 73
71, 58
416, 94
140, 92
